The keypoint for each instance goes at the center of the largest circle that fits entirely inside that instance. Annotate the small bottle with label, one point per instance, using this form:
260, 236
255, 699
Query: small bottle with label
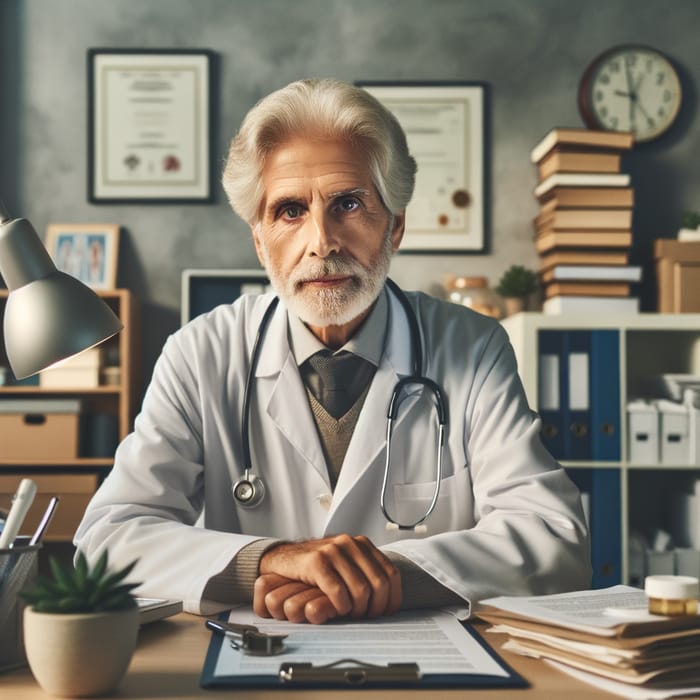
672, 595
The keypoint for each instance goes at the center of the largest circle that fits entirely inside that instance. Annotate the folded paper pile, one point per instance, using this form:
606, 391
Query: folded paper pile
603, 636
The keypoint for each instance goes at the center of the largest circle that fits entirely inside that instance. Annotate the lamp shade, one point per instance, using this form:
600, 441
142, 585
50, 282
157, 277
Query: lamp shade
49, 315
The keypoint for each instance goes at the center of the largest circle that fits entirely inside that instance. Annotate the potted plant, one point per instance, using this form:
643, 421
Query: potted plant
80, 627
690, 226
516, 284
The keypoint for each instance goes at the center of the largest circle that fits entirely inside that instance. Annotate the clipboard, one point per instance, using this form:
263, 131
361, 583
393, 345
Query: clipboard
352, 673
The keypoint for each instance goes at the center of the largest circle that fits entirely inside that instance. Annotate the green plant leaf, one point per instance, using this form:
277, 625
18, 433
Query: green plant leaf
61, 574
117, 576
81, 589
99, 569
81, 570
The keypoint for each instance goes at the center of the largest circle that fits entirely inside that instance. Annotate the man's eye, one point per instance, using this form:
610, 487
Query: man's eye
348, 204
291, 212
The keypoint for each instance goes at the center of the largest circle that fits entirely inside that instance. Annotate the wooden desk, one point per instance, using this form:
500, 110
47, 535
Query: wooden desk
170, 653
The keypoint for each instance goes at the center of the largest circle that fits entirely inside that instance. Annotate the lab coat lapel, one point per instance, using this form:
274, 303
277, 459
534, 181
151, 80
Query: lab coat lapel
368, 443
280, 390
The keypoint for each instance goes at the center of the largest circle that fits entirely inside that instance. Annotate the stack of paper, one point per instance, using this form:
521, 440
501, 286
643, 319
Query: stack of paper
608, 633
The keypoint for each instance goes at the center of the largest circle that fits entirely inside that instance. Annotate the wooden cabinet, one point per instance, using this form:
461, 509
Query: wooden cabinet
632, 502
106, 417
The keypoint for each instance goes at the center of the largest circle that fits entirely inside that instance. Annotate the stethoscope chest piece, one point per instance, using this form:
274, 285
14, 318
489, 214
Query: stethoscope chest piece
249, 490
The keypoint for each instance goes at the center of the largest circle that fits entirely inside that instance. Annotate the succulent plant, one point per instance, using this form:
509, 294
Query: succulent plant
517, 281
690, 219
81, 589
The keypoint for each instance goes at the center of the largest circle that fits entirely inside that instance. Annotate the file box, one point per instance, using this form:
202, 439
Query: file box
79, 372
643, 432
675, 434
39, 429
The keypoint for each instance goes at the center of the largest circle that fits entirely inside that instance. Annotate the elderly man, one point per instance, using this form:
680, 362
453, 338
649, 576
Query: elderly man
322, 174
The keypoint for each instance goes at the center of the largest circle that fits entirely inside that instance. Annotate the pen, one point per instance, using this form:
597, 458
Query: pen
21, 503
45, 520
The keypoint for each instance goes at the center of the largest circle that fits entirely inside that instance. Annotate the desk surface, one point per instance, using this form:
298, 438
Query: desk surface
170, 653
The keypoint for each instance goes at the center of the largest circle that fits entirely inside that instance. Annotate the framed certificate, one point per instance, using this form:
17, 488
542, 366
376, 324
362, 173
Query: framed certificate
445, 128
149, 123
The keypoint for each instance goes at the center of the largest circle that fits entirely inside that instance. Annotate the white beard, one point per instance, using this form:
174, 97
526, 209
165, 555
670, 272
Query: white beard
331, 307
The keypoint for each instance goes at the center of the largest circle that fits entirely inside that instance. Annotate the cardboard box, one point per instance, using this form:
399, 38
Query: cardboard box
70, 378
677, 275
74, 492
39, 429
79, 372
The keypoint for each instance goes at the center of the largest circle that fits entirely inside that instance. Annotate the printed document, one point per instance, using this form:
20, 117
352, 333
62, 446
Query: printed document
435, 640
598, 612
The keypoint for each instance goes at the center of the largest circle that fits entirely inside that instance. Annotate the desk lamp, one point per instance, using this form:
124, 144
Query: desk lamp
49, 316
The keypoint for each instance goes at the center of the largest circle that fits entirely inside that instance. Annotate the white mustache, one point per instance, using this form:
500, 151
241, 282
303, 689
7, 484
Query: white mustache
312, 270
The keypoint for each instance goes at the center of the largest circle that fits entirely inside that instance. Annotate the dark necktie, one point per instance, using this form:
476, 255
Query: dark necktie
336, 381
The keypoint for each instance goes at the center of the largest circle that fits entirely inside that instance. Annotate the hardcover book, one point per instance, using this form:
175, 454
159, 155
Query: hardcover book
565, 219
584, 197
558, 161
591, 138
549, 240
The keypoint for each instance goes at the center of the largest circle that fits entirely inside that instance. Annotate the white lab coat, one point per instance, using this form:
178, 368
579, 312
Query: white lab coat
508, 519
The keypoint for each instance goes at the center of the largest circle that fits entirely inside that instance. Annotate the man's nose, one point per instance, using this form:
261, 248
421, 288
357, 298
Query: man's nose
324, 235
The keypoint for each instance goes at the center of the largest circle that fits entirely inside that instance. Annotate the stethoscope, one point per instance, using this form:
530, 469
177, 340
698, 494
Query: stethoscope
249, 490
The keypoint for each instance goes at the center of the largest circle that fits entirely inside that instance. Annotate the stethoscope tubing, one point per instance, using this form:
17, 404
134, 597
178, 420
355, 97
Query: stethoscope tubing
254, 486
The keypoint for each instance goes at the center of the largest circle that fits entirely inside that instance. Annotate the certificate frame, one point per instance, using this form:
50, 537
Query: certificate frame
149, 130
448, 211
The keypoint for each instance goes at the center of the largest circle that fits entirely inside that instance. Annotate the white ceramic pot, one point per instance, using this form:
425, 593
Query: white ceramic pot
79, 655
514, 305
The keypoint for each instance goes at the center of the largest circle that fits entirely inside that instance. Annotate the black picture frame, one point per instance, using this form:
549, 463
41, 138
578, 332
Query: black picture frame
150, 126
451, 216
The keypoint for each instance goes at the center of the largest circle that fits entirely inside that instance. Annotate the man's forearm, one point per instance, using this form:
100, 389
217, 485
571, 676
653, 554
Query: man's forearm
236, 582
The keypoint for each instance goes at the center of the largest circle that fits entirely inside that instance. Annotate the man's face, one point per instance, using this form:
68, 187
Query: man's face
324, 236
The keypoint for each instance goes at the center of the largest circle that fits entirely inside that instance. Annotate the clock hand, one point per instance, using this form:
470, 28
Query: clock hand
632, 94
650, 121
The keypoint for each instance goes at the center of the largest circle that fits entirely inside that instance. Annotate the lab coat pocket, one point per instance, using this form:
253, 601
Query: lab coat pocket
454, 509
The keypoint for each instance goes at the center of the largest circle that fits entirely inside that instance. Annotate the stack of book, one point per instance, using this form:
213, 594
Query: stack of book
603, 637
583, 232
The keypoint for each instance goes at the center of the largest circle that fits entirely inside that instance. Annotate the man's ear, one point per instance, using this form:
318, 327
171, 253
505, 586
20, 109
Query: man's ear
255, 231
397, 229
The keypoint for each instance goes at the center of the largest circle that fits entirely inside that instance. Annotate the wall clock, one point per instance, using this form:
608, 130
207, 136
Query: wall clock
630, 88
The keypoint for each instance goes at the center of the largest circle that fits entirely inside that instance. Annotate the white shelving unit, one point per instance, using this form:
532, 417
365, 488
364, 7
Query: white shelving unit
649, 345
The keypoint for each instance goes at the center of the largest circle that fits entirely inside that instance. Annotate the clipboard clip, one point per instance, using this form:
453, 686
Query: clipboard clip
249, 638
349, 672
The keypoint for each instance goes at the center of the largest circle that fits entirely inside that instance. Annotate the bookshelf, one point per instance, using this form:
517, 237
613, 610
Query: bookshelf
75, 478
638, 496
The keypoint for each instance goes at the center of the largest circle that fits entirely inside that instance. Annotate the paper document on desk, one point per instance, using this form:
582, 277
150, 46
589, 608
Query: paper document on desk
624, 689
435, 640
607, 612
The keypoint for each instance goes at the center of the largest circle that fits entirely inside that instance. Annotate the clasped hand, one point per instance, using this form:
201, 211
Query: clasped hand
318, 580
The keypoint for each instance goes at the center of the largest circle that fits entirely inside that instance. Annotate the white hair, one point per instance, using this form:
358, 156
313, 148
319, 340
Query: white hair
320, 107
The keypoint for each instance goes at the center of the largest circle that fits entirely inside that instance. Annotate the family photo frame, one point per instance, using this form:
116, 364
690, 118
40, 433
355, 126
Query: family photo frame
88, 252
445, 125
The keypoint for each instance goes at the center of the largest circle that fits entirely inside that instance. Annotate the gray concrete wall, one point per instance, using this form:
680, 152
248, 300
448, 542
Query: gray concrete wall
531, 53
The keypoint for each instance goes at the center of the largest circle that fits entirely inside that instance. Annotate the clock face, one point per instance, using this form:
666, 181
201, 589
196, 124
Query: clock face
630, 88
